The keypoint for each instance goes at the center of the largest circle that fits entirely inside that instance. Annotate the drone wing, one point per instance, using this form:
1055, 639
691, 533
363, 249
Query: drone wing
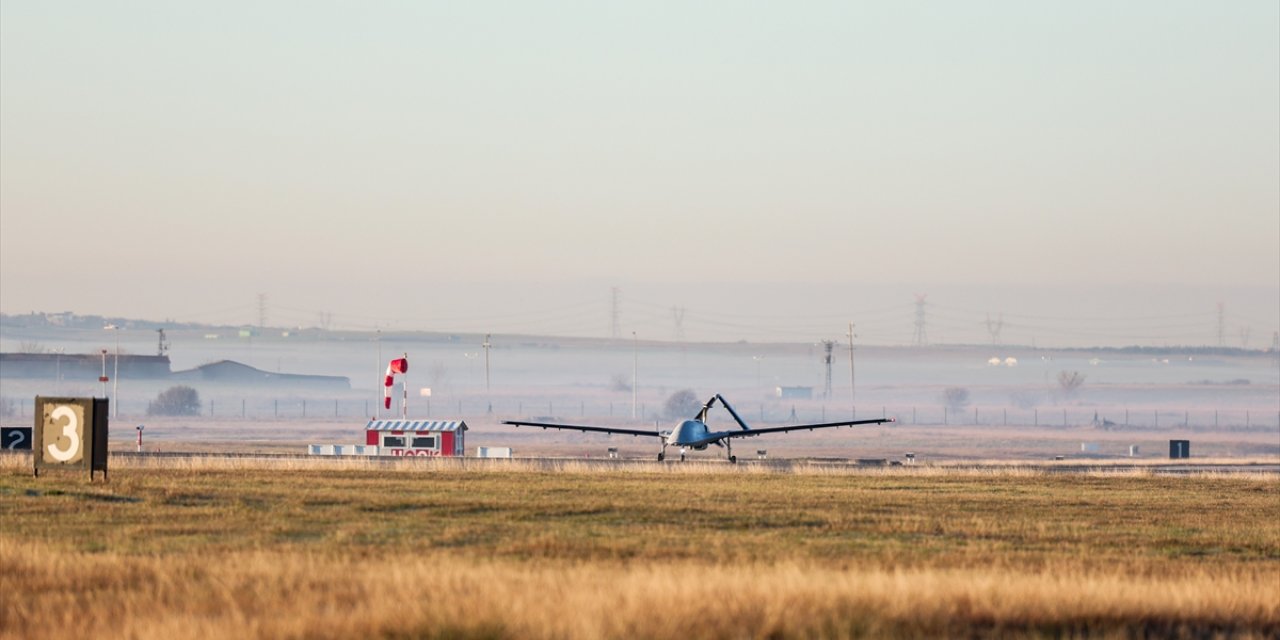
802, 427
583, 428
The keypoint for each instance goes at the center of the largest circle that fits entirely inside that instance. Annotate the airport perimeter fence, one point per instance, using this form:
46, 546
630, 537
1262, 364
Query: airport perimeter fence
19, 411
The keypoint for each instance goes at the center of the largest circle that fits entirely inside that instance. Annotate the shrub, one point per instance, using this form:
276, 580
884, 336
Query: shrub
176, 401
956, 398
1070, 382
682, 404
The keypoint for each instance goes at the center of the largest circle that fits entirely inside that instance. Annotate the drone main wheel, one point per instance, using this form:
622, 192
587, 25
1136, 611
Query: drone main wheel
661, 456
733, 459
682, 457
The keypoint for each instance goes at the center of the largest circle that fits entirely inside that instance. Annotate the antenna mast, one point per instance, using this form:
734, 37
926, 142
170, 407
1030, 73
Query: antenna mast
827, 347
162, 349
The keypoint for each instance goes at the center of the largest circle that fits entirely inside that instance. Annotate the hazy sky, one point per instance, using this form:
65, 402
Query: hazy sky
383, 161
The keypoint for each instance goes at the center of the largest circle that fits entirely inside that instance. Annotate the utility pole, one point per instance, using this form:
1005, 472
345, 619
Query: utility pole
635, 372
488, 396
614, 312
1222, 324
115, 383
377, 404
677, 314
103, 378
853, 387
262, 310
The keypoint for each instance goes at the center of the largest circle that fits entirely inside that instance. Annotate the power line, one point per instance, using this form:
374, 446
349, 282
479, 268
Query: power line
614, 313
921, 337
994, 328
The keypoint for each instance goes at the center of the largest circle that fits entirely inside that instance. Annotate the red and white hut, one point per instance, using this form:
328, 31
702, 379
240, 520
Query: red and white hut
417, 437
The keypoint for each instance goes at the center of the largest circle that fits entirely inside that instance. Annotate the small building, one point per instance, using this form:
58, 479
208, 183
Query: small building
417, 437
804, 393
1179, 449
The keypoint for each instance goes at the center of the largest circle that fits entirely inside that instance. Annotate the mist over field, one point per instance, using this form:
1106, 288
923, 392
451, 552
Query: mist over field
953, 401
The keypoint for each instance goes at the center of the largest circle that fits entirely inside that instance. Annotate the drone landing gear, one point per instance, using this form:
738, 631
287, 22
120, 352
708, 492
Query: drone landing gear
662, 455
729, 449
682, 454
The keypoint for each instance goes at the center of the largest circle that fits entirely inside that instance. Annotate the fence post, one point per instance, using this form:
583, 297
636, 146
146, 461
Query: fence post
944, 416
975, 415
242, 411
1006, 417
1037, 410
335, 407
276, 408
304, 407
210, 407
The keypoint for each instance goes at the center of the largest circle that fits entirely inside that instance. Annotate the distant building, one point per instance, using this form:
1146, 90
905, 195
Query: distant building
231, 372
81, 366
801, 393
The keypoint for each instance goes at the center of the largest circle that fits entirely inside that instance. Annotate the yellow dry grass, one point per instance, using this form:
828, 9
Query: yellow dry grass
299, 548
278, 595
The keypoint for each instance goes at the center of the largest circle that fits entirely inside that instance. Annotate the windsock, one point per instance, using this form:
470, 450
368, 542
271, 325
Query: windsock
398, 365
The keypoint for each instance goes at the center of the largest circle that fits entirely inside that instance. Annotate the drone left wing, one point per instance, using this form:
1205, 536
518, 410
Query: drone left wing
583, 428
802, 427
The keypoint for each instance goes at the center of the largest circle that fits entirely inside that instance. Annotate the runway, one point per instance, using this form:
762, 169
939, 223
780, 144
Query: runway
778, 465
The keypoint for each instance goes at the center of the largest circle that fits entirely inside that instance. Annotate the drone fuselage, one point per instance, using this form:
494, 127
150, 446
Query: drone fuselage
692, 434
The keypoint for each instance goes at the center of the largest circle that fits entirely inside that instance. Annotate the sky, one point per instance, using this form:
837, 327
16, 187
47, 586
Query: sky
765, 167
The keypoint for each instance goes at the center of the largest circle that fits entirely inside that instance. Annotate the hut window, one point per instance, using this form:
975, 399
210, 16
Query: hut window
424, 442
392, 441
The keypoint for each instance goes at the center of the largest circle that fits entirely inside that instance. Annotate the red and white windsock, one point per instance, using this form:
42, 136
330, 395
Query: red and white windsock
398, 365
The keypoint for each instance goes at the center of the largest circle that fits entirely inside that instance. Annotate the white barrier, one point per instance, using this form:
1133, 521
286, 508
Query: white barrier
342, 450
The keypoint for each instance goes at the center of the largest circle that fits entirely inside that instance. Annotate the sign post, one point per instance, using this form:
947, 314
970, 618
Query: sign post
70, 433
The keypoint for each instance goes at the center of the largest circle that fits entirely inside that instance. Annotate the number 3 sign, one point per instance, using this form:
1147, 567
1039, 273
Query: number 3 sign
70, 433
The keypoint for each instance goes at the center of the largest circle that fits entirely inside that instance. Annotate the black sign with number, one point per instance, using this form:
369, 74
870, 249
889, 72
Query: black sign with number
15, 438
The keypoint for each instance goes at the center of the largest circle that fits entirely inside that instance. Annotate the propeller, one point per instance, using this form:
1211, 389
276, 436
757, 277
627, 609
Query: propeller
702, 415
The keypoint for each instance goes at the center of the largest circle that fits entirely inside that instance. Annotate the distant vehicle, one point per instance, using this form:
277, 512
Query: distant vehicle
695, 434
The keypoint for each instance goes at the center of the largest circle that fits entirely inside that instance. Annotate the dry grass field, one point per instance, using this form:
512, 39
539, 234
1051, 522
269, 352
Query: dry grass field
253, 549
